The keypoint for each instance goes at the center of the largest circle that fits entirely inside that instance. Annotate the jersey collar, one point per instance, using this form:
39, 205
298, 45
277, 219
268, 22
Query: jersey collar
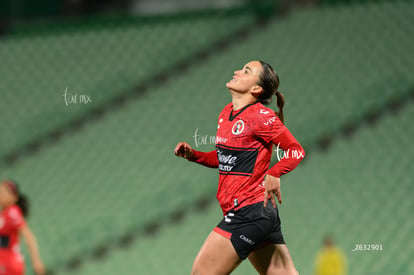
231, 116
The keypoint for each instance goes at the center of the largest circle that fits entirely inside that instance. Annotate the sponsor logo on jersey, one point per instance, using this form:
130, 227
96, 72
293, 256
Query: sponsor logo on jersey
238, 161
270, 121
220, 140
263, 111
226, 162
238, 127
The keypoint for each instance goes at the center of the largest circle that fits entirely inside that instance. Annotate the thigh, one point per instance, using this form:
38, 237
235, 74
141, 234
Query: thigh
273, 259
216, 256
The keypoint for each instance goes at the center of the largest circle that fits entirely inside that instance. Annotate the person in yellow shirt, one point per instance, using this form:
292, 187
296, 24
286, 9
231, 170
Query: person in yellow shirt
330, 259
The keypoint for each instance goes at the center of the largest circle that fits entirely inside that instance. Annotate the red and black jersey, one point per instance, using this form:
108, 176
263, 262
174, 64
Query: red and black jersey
244, 144
11, 220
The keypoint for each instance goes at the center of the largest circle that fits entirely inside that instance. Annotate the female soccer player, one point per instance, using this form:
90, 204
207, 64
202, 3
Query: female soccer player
14, 207
247, 187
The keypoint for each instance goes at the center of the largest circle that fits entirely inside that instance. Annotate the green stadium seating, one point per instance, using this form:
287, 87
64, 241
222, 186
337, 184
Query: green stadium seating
96, 62
119, 174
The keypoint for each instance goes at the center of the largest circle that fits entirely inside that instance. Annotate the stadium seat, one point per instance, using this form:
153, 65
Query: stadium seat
119, 174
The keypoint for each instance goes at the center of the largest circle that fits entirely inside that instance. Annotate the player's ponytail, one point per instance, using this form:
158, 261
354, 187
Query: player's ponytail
280, 102
269, 81
23, 204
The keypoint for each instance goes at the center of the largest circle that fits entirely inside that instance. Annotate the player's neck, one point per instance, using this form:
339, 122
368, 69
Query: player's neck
241, 100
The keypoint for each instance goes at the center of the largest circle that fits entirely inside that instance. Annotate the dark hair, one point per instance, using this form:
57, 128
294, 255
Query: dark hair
24, 205
269, 81
22, 201
328, 240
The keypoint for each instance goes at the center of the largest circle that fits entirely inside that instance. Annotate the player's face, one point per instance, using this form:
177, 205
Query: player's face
247, 78
6, 196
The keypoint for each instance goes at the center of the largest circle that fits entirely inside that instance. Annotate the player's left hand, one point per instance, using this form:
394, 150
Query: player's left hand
272, 188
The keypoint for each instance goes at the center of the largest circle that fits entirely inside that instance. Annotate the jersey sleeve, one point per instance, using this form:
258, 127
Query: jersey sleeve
266, 125
15, 217
269, 128
291, 157
208, 159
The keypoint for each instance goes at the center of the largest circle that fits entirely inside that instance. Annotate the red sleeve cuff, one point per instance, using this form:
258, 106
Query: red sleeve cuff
196, 155
276, 173
208, 159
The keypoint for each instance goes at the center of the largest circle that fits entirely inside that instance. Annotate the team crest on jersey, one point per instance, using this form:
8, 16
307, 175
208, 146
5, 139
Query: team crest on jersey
238, 127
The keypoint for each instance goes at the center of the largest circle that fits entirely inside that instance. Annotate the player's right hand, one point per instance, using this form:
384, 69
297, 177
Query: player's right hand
184, 150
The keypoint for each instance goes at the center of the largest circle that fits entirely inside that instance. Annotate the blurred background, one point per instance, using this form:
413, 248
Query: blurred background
96, 94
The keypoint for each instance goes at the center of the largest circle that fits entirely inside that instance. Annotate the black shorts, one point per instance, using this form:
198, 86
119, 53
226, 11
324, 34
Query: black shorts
251, 227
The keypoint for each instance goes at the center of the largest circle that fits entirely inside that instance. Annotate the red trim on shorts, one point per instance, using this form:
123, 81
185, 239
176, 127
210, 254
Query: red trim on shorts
223, 233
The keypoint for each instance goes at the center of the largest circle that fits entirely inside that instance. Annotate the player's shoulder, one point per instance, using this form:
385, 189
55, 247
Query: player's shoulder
260, 111
262, 115
14, 211
226, 108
